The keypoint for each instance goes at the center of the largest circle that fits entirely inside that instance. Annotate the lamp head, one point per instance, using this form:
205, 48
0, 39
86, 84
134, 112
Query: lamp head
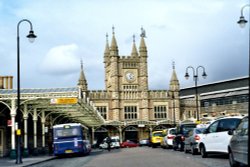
242, 22
204, 75
186, 75
31, 36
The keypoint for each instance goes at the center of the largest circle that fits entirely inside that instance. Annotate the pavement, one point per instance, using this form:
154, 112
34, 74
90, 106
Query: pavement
32, 160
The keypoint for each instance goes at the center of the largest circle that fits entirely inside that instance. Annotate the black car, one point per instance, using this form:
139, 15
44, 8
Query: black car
181, 132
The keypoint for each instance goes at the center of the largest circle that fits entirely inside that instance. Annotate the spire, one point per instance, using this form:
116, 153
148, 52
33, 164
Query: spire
143, 47
134, 50
82, 82
174, 82
106, 52
113, 42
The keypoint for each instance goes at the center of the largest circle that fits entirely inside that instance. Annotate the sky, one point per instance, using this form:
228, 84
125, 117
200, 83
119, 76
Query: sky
187, 32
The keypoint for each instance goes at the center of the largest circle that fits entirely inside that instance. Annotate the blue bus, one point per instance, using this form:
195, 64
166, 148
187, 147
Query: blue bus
70, 139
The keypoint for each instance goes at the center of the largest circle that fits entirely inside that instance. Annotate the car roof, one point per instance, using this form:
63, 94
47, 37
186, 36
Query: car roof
228, 117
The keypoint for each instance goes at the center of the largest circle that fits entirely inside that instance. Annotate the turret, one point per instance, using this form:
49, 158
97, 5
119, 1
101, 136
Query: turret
106, 51
134, 50
82, 82
113, 48
143, 48
143, 62
174, 82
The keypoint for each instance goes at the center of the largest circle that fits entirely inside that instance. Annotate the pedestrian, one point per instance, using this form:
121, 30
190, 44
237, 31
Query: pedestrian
108, 141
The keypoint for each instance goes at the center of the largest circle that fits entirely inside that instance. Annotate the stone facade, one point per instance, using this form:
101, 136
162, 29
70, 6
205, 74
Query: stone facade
6, 82
127, 98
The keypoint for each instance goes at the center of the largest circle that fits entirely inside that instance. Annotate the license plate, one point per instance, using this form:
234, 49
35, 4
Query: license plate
68, 151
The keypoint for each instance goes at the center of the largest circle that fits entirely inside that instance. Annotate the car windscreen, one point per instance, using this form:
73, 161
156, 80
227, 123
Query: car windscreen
115, 140
157, 134
199, 130
70, 132
172, 131
187, 128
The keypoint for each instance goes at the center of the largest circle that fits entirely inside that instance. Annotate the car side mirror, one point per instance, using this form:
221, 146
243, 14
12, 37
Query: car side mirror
230, 132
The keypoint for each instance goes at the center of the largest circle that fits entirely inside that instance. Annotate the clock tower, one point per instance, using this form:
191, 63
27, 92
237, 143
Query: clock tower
126, 77
128, 72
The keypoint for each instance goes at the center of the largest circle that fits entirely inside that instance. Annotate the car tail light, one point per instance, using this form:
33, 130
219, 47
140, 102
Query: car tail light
196, 137
170, 137
182, 138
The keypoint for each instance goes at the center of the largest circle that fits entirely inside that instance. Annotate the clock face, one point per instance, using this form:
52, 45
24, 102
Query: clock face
130, 76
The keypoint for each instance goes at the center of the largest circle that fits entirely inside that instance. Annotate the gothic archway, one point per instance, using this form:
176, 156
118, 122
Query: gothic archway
100, 134
131, 133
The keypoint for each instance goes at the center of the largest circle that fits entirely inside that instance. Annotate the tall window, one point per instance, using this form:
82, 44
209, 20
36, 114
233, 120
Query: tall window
103, 111
130, 112
160, 112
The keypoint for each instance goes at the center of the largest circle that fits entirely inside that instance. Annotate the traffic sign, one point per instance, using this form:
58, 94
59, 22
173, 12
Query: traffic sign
63, 101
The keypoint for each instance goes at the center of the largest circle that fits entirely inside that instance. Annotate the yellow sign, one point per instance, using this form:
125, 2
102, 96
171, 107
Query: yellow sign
63, 101
198, 122
18, 132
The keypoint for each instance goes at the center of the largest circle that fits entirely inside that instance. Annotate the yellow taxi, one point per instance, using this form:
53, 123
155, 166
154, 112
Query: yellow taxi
156, 138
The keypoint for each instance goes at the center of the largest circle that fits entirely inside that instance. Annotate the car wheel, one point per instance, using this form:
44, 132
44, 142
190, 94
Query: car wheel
232, 162
194, 151
203, 151
185, 150
174, 147
182, 147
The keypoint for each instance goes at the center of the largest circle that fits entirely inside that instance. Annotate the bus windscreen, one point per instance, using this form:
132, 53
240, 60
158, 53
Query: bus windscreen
71, 132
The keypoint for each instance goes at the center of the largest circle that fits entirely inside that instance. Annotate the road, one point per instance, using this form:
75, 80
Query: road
138, 157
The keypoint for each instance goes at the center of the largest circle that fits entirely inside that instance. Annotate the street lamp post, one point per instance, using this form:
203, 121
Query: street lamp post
242, 22
195, 76
31, 36
173, 97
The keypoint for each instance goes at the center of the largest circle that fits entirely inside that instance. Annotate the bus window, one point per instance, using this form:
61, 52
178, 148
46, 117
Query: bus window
71, 132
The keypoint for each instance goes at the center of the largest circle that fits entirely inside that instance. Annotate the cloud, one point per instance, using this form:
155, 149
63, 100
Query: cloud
189, 32
61, 60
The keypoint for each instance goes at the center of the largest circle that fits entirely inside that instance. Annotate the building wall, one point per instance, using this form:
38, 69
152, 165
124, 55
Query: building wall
6, 82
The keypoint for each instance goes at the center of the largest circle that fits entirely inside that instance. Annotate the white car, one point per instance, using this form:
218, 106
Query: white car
167, 141
115, 143
215, 138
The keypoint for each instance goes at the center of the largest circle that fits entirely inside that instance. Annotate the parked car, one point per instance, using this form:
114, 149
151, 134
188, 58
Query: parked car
156, 138
237, 148
216, 138
128, 144
115, 143
144, 142
167, 141
181, 132
192, 141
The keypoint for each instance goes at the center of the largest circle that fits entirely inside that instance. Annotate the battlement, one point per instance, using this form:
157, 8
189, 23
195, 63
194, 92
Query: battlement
99, 94
158, 94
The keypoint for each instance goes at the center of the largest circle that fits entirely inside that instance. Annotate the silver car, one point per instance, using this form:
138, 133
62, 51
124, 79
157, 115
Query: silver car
192, 140
237, 149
